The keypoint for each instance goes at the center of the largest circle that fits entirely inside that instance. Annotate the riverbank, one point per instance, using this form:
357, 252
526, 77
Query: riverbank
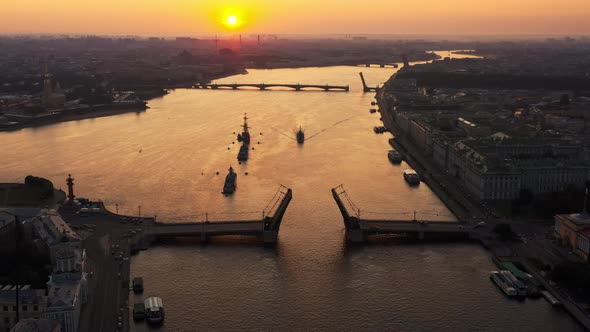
87, 112
468, 209
335, 62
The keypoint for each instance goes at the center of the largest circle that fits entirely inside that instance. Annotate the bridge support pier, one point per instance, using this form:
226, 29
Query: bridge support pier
269, 238
356, 236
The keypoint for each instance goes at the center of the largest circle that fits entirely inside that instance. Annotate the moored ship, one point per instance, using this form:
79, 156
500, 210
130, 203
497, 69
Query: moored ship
411, 177
519, 286
229, 186
504, 286
394, 156
154, 310
138, 285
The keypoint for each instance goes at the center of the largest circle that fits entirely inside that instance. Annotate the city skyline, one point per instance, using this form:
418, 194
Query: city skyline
306, 17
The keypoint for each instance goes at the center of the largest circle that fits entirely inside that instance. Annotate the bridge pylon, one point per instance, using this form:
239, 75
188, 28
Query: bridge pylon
354, 233
272, 224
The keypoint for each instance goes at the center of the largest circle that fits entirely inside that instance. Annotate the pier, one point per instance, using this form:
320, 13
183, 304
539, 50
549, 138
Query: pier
358, 230
263, 86
265, 229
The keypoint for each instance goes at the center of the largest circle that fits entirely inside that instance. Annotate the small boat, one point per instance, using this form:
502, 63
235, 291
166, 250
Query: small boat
411, 177
373, 103
229, 186
154, 310
138, 311
504, 286
243, 153
394, 156
550, 298
300, 136
138, 285
372, 110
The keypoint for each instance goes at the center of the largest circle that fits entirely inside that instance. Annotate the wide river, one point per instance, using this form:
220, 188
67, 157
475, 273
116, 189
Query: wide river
166, 161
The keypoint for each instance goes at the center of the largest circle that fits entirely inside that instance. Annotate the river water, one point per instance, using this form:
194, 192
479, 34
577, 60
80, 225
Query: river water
166, 161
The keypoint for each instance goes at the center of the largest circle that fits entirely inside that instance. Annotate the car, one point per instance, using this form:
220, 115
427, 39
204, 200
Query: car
480, 224
138, 230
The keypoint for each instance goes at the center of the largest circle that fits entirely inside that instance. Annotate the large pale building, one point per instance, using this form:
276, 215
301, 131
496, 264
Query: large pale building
573, 231
67, 288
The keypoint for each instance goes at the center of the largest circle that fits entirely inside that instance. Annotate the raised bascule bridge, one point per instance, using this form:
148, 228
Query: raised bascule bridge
358, 230
265, 229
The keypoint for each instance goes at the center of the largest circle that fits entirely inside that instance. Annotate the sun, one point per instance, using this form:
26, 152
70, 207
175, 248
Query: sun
231, 20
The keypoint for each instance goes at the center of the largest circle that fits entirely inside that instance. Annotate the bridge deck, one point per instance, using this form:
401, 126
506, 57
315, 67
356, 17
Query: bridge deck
398, 226
208, 228
266, 228
263, 86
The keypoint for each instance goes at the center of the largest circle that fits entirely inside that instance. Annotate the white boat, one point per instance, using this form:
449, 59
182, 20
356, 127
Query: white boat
154, 310
518, 285
505, 287
411, 177
394, 156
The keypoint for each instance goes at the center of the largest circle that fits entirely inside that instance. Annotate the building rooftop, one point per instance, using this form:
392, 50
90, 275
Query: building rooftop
577, 218
26, 296
586, 232
63, 294
5, 219
53, 229
36, 325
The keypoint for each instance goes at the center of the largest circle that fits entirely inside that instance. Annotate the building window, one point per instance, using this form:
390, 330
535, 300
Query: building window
5, 308
13, 308
25, 307
36, 307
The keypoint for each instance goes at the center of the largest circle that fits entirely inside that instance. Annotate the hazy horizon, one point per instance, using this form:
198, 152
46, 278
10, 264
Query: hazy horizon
297, 17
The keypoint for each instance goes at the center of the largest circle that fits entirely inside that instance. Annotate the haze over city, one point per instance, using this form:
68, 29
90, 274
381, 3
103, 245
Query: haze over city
309, 17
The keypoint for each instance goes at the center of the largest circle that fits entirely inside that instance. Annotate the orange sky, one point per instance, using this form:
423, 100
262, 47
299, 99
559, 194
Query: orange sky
199, 17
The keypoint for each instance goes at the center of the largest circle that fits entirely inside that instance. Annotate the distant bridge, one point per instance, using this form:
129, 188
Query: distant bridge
358, 230
266, 229
263, 86
382, 65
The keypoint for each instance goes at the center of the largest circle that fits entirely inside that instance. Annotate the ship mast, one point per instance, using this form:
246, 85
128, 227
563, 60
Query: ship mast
245, 126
